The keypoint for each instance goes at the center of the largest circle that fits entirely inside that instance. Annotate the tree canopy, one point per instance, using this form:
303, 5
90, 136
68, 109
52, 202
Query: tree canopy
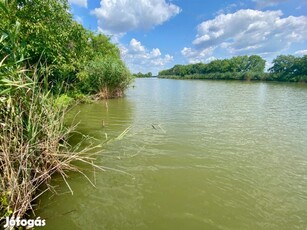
252, 63
44, 32
142, 75
290, 68
284, 68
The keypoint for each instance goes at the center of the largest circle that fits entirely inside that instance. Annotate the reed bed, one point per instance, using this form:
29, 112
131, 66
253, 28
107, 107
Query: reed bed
33, 141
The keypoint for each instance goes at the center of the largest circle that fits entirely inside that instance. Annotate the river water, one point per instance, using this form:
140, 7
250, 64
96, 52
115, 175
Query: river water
198, 155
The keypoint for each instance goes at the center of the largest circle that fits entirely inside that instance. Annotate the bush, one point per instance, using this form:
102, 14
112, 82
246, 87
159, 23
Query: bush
64, 101
107, 77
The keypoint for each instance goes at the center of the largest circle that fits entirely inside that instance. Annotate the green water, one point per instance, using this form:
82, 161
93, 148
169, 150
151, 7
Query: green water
199, 155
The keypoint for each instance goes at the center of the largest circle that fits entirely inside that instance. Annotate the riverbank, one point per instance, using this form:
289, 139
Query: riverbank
247, 76
34, 140
44, 68
286, 68
33, 143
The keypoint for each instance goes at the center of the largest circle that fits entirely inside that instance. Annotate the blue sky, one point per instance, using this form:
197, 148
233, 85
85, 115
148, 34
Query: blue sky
157, 34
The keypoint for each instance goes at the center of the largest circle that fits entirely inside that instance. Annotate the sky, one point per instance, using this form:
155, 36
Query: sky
154, 35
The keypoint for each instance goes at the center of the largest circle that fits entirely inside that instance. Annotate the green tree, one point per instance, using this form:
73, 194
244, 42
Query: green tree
300, 66
289, 68
142, 75
48, 35
283, 64
239, 64
100, 46
214, 66
255, 64
44, 32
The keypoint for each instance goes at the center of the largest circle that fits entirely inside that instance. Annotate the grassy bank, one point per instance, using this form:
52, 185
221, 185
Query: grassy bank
33, 140
248, 76
39, 78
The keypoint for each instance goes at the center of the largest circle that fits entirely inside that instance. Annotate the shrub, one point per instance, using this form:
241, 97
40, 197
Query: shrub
107, 77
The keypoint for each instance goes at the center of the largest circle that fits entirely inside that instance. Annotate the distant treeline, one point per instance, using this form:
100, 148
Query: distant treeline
142, 75
284, 68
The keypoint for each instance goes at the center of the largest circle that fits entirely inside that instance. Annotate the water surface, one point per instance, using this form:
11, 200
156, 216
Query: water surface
199, 155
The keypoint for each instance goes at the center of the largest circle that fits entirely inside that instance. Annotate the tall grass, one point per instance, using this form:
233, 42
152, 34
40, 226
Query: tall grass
33, 139
105, 78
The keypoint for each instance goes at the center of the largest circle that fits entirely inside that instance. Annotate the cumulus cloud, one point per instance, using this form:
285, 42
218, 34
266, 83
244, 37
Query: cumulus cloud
122, 16
82, 3
140, 59
196, 56
248, 32
136, 46
301, 52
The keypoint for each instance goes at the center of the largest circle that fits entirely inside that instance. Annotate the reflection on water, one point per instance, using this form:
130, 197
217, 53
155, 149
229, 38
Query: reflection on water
199, 155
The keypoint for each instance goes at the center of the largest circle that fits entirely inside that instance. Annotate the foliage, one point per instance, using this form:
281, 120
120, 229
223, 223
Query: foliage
285, 68
29, 136
106, 76
33, 138
46, 33
289, 68
238, 64
42, 47
142, 75
251, 76
64, 101
4, 205
44, 30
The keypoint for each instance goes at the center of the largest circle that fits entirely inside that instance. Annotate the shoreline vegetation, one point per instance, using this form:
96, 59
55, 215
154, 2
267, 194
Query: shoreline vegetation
286, 68
143, 75
47, 62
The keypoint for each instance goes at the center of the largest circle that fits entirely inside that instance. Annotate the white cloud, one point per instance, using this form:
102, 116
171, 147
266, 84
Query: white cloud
82, 3
116, 16
155, 52
136, 46
196, 56
140, 59
248, 32
301, 52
